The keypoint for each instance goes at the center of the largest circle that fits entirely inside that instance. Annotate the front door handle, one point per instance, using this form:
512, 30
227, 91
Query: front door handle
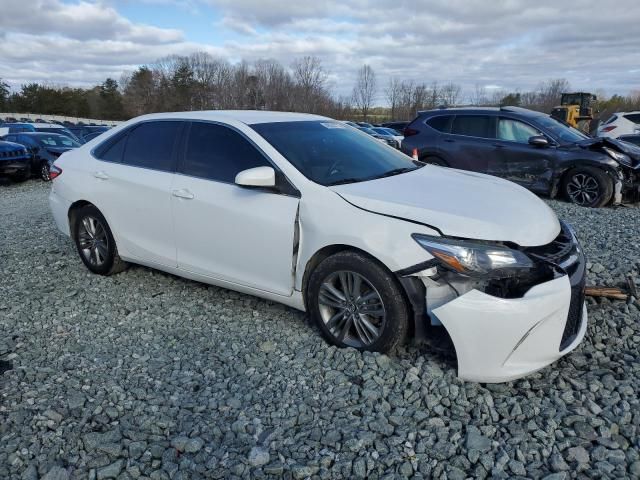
101, 175
498, 145
183, 193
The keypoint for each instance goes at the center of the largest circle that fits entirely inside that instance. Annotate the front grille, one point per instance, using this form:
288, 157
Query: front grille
557, 251
574, 319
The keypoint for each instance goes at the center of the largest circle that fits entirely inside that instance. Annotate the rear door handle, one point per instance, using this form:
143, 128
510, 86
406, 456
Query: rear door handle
450, 140
101, 175
183, 193
498, 145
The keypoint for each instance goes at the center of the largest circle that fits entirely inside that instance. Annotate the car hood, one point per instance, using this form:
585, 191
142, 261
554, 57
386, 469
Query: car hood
58, 150
459, 204
10, 146
597, 143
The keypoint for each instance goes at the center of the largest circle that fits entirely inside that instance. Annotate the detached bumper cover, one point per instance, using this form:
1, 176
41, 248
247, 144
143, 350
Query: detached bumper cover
498, 340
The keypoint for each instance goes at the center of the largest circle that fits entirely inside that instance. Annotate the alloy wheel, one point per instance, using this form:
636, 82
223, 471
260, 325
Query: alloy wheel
351, 308
583, 189
93, 241
44, 172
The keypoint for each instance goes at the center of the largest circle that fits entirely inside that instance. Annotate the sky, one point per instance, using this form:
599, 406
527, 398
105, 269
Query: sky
498, 44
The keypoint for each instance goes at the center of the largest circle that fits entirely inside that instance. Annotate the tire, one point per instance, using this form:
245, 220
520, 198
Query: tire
44, 172
434, 161
342, 319
588, 187
92, 234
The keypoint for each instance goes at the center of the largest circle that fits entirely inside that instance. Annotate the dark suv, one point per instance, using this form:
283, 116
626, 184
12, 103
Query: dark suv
530, 148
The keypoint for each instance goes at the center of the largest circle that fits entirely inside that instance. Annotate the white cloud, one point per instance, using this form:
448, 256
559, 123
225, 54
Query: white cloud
511, 43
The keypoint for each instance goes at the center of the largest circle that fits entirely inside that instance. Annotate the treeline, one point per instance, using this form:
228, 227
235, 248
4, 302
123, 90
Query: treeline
203, 82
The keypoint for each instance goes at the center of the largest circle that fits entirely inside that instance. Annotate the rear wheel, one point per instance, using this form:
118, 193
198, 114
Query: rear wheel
588, 187
357, 303
95, 243
45, 173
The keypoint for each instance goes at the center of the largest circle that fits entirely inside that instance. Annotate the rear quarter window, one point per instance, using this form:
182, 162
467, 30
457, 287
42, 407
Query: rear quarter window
442, 123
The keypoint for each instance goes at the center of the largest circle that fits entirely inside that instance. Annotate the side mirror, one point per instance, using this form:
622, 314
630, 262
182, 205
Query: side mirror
264, 177
538, 141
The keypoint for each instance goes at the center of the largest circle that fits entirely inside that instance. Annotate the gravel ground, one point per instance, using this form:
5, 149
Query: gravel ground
146, 375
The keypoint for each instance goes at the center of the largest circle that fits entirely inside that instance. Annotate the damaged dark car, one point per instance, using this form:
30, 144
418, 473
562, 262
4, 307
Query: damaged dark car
530, 148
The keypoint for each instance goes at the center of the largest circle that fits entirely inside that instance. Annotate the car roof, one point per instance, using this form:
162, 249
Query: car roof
248, 117
39, 134
492, 110
46, 125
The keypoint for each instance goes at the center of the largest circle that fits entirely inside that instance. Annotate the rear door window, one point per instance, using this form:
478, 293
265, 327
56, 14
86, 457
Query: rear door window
441, 123
151, 145
479, 126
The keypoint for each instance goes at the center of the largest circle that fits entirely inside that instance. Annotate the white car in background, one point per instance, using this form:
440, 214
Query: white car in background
306, 211
621, 123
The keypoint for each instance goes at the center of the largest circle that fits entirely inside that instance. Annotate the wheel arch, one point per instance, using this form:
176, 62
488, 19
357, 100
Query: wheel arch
406, 285
568, 168
73, 212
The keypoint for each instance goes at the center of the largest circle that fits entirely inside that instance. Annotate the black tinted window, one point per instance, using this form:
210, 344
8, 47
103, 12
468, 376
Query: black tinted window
150, 145
112, 150
440, 123
473, 126
219, 153
633, 117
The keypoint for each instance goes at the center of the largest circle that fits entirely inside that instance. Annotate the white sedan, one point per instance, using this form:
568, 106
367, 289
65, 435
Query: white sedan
309, 212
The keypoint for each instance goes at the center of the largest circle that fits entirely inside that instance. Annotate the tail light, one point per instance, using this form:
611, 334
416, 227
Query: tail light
54, 172
608, 128
407, 132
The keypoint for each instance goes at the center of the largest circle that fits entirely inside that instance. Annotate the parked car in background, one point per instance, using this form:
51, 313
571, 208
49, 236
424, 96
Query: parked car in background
529, 148
634, 139
17, 127
621, 123
44, 149
364, 124
55, 128
15, 161
90, 136
390, 136
81, 131
387, 139
316, 215
397, 126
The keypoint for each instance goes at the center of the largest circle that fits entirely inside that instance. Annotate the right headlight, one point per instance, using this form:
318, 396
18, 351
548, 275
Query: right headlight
476, 259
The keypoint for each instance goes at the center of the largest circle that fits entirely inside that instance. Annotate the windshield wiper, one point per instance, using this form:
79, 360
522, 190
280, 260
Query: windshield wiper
346, 180
397, 171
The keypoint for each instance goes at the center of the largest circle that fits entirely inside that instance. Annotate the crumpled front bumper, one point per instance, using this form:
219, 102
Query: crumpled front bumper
499, 339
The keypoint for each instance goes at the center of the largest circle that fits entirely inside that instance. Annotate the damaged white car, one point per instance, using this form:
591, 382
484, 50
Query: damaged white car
311, 213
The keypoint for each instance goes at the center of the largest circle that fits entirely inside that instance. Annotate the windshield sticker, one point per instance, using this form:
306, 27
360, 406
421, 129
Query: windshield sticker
332, 125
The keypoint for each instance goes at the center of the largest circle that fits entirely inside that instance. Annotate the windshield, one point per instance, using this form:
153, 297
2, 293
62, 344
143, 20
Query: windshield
559, 131
55, 140
330, 153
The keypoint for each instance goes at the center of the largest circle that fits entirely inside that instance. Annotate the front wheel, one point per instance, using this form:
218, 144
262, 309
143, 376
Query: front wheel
357, 303
588, 187
95, 243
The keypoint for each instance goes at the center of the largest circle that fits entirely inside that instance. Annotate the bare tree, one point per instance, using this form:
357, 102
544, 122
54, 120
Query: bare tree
364, 90
393, 92
450, 93
479, 97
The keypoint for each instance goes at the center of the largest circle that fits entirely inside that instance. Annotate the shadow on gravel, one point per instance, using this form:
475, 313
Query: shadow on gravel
5, 366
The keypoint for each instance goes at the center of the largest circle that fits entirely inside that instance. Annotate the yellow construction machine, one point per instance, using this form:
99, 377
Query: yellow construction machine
576, 109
